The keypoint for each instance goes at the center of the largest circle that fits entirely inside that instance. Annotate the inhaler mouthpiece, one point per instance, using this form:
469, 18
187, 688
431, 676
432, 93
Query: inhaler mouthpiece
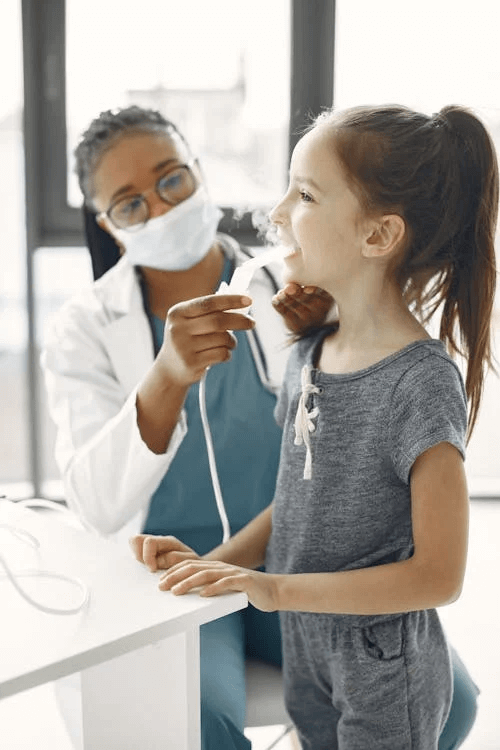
242, 276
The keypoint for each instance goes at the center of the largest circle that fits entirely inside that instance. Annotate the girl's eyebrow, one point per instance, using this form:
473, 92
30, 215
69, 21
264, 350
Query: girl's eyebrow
306, 180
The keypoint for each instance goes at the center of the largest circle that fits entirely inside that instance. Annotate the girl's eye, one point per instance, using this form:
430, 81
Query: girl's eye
305, 197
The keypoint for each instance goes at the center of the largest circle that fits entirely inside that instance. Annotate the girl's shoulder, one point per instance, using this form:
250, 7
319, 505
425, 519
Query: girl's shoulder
426, 369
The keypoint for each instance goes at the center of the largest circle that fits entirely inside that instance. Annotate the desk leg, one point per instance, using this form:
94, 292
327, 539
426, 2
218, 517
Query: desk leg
148, 698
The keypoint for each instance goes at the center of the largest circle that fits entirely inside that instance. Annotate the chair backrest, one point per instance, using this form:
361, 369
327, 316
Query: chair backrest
265, 700
104, 252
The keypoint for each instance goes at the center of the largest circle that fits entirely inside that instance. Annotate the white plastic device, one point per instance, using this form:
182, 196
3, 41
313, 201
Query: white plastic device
239, 284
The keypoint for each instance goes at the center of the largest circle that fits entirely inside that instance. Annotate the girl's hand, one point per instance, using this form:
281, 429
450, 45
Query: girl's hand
160, 552
217, 578
302, 307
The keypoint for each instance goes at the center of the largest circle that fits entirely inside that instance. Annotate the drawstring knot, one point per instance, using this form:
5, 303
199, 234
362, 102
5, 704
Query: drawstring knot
304, 424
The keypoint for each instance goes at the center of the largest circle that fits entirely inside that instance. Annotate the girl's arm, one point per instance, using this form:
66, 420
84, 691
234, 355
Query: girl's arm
247, 548
432, 577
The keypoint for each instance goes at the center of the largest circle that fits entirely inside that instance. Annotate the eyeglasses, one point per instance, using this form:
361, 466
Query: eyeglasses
173, 187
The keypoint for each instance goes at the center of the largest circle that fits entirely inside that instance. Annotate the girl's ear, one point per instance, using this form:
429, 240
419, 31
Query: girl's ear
385, 236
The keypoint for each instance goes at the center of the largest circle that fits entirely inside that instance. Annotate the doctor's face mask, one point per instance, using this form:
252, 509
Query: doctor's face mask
156, 207
176, 240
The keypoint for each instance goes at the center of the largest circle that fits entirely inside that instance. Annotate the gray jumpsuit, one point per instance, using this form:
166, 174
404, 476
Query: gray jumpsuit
342, 501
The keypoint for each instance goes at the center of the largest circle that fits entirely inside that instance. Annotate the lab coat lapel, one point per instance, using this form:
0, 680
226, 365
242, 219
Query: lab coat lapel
130, 333
128, 330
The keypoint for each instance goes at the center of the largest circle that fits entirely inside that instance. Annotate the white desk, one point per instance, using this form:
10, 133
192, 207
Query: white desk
136, 647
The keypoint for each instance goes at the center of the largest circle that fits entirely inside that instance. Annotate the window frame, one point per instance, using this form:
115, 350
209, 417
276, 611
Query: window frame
54, 223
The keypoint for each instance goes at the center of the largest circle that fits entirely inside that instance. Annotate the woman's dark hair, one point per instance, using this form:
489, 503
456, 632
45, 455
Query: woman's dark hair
440, 174
105, 129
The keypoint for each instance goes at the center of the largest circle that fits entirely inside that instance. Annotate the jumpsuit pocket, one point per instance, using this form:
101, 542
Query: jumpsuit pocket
384, 641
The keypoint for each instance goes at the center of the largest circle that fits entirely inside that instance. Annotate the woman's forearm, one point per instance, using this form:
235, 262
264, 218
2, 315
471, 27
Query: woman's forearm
247, 548
383, 589
159, 405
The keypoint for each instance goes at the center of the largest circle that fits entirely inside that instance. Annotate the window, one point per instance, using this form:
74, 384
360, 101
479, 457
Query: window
14, 443
450, 57
220, 71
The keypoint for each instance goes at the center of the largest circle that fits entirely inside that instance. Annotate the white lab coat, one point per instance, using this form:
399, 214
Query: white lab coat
98, 349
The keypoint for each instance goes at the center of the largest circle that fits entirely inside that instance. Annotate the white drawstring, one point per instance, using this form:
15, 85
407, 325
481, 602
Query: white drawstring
303, 419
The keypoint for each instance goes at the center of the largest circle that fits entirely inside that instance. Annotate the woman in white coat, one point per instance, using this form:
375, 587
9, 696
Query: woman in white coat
122, 361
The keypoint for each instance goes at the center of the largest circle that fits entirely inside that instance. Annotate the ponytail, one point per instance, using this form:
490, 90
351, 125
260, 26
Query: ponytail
440, 174
469, 291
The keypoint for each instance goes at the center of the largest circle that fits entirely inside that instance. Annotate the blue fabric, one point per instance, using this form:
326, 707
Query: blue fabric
246, 443
224, 645
463, 707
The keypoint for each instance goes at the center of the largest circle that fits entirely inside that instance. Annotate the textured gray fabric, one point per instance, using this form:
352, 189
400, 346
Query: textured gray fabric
355, 512
382, 687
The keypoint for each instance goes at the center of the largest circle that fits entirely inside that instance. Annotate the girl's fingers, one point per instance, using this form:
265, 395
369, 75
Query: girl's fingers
182, 586
167, 560
222, 586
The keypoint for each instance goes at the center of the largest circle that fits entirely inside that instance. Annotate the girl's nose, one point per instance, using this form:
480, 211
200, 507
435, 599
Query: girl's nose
276, 213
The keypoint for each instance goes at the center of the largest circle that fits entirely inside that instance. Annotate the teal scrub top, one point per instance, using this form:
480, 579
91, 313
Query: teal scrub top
246, 442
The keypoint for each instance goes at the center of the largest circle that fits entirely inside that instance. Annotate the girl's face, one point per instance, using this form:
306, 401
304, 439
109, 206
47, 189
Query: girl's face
319, 217
132, 166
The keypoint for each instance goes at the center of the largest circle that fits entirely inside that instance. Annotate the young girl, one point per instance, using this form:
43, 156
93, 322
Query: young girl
394, 214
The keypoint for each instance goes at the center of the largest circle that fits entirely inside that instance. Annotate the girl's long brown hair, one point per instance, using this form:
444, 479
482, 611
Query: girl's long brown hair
440, 174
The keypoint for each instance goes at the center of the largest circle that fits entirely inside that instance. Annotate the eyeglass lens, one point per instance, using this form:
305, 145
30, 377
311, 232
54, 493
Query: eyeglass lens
173, 187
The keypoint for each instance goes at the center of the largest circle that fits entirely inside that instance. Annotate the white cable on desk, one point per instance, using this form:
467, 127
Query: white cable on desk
12, 576
26, 536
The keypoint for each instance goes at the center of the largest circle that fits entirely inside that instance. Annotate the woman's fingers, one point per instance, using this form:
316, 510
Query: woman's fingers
154, 551
136, 543
198, 334
167, 560
302, 307
209, 304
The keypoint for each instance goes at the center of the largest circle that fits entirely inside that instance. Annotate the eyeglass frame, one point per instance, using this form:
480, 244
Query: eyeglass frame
186, 165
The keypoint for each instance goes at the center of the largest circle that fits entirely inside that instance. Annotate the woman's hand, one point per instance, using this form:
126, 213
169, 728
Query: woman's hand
198, 334
218, 578
160, 552
302, 307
